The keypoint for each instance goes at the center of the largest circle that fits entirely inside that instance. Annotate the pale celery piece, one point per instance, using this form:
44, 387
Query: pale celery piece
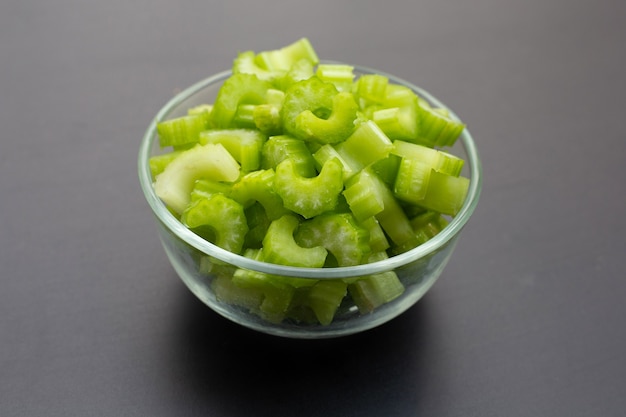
301, 163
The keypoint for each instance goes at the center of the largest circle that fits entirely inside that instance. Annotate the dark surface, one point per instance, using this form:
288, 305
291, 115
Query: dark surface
527, 320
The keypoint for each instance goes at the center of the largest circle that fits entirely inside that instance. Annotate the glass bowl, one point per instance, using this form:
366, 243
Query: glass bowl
199, 262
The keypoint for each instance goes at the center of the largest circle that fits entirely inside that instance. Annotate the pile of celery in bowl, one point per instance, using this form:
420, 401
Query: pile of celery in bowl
308, 199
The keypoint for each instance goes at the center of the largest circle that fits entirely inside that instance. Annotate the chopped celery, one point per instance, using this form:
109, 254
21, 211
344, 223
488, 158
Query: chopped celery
309, 196
223, 215
339, 233
315, 110
301, 163
279, 148
258, 186
182, 130
280, 247
237, 89
243, 144
365, 146
175, 183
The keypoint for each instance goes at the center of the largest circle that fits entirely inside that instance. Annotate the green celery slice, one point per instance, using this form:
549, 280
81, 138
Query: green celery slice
245, 63
436, 128
427, 225
175, 183
328, 152
371, 89
363, 194
183, 130
159, 162
412, 180
339, 233
378, 240
258, 186
342, 76
365, 146
325, 297
280, 247
266, 116
446, 193
315, 101
283, 59
373, 291
243, 144
258, 223
238, 89
224, 216
387, 168
338, 126
204, 188
309, 197
438, 160
226, 291
398, 122
279, 148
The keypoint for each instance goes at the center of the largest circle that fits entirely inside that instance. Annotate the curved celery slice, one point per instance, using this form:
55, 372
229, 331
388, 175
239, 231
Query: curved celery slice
243, 144
237, 89
279, 148
325, 297
183, 130
223, 215
339, 233
204, 188
338, 126
327, 115
438, 160
309, 196
378, 241
300, 70
366, 145
175, 183
266, 116
279, 246
258, 186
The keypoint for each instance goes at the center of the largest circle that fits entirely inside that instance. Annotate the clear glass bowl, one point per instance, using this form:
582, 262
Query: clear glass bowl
417, 269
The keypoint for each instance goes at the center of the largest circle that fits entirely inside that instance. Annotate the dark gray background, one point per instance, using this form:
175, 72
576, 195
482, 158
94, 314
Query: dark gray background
527, 320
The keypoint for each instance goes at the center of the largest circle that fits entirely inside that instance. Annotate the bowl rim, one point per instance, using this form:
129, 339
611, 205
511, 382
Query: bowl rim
431, 246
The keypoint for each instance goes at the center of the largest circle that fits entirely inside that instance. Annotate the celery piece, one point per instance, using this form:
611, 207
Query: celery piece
279, 246
204, 188
325, 297
243, 144
375, 290
309, 197
258, 186
365, 146
327, 115
387, 168
428, 224
392, 218
333, 129
397, 122
412, 180
183, 130
342, 76
238, 89
445, 193
339, 233
371, 89
228, 292
300, 70
245, 63
438, 160
258, 223
435, 127
397, 95
278, 148
159, 162
362, 192
244, 116
175, 183
223, 215
378, 241
266, 116
282, 59
328, 152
